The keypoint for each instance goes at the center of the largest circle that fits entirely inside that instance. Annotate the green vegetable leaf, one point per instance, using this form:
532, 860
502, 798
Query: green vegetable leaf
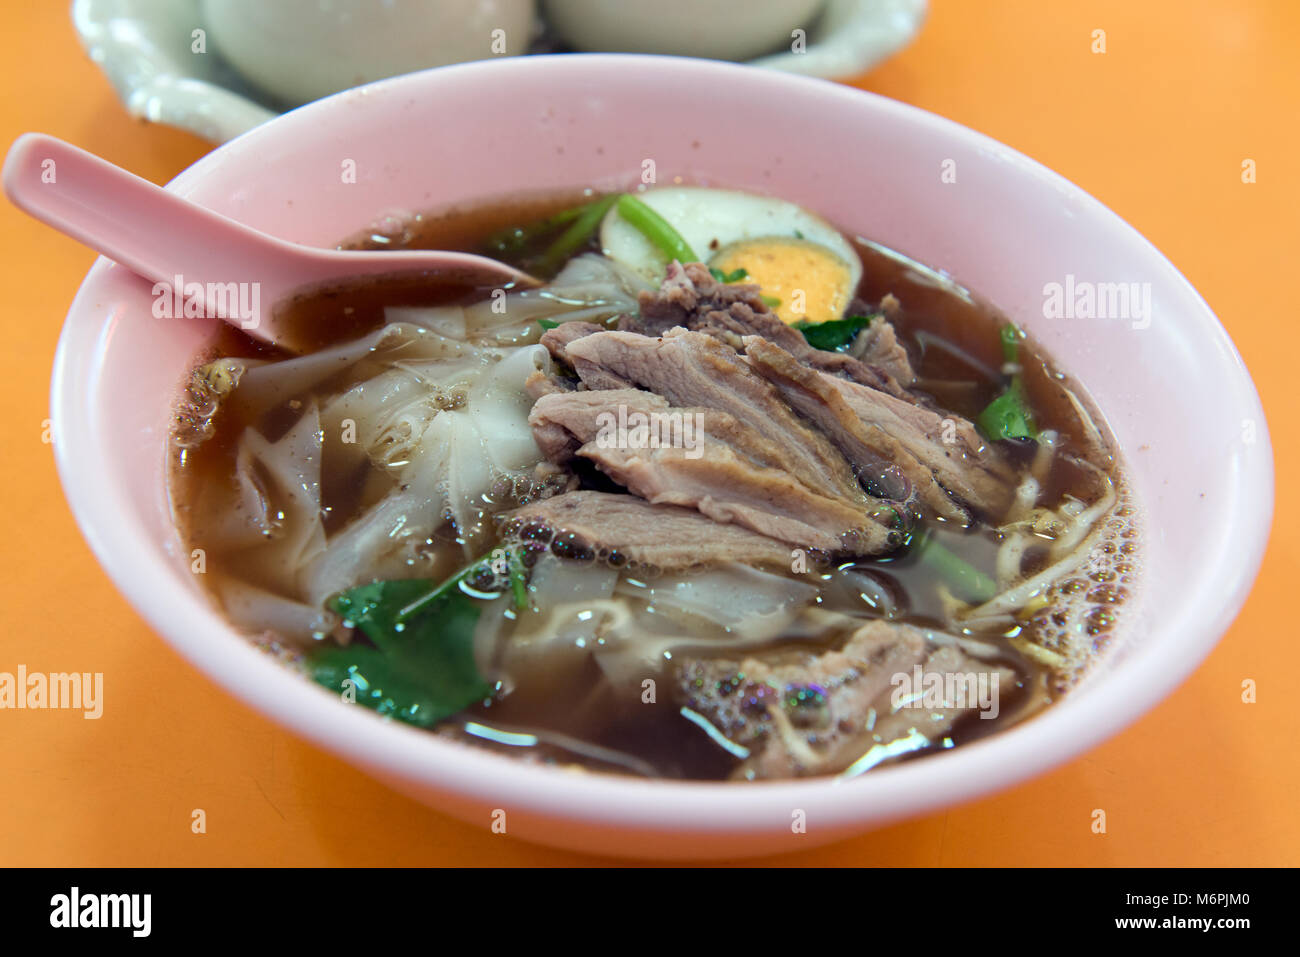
1010, 415
734, 276
547, 323
421, 668
833, 335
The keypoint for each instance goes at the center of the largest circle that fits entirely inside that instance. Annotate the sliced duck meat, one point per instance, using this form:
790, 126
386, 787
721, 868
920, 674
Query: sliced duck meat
707, 460
563, 420
728, 488
557, 340
663, 536
692, 369
691, 298
877, 346
540, 383
870, 702
937, 454
689, 292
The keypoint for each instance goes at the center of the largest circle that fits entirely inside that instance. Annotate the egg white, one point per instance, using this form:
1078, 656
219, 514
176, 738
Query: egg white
710, 220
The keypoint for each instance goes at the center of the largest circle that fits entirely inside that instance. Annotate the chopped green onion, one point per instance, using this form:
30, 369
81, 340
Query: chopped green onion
547, 323
1009, 416
514, 240
734, 276
967, 581
581, 230
656, 229
1010, 336
518, 578
770, 301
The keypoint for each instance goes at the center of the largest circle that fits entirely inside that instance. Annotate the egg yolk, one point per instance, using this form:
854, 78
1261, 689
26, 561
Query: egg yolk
808, 280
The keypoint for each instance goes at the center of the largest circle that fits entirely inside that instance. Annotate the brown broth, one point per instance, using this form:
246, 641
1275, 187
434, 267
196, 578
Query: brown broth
930, 311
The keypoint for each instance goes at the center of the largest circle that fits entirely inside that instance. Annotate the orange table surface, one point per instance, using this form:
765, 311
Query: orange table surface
1157, 127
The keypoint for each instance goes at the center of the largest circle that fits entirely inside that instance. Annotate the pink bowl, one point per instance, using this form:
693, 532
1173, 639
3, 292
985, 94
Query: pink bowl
1198, 457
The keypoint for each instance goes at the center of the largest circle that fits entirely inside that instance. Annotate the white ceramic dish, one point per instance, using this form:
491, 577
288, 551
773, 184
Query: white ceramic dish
144, 48
1006, 227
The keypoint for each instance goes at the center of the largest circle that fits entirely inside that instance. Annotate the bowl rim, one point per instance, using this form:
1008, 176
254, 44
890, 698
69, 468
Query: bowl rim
398, 753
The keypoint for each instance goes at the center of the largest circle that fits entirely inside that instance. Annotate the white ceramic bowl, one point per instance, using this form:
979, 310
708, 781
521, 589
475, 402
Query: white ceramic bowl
1007, 227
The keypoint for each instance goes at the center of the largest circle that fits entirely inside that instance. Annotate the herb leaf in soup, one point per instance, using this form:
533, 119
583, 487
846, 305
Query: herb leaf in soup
419, 671
1009, 416
833, 335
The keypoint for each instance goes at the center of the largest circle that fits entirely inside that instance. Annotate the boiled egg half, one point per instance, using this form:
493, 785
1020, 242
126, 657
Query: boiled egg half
804, 267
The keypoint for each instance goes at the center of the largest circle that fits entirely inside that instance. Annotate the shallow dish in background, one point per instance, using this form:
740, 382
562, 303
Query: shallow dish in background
1007, 227
144, 48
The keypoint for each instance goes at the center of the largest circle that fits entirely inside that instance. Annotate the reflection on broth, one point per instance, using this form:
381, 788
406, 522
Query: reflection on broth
734, 495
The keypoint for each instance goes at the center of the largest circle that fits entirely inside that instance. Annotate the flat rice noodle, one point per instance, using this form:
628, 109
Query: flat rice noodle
257, 610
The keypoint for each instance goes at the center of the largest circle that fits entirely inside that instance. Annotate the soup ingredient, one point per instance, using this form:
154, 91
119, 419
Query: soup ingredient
736, 275
548, 244
692, 298
629, 530
1009, 415
656, 229
822, 713
613, 483
791, 254
702, 458
942, 457
877, 347
797, 277
835, 334
690, 369
968, 583
588, 288
420, 669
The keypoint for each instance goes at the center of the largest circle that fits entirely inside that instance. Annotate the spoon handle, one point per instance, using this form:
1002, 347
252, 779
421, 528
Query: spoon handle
130, 220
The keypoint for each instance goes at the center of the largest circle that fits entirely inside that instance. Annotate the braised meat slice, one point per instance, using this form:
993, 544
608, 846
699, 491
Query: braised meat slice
692, 369
691, 298
943, 457
877, 346
707, 460
663, 536
800, 714
730, 489
557, 340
